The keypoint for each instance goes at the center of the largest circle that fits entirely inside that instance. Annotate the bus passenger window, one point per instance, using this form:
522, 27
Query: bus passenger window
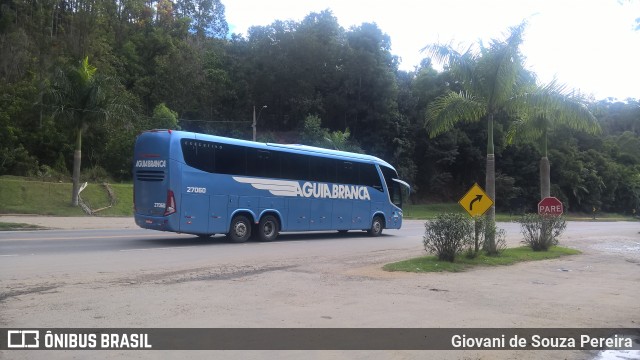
263, 163
347, 173
198, 154
369, 176
322, 169
230, 159
295, 166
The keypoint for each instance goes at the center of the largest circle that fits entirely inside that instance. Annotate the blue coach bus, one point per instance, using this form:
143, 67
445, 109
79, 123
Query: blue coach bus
204, 185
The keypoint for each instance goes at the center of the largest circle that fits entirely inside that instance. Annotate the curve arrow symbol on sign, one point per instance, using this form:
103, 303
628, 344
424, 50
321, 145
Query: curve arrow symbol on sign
478, 198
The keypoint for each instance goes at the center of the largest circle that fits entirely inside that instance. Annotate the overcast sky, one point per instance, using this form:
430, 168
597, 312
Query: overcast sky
590, 45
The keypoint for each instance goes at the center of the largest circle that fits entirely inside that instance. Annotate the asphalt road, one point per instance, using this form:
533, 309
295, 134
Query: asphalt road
27, 253
142, 278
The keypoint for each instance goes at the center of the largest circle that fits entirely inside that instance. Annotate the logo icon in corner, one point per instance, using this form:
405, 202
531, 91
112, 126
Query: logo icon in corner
21, 339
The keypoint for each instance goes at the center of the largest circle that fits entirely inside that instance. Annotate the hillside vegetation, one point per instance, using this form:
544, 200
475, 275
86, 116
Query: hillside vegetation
175, 64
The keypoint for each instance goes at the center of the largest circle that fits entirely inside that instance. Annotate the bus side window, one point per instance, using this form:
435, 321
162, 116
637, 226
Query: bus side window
198, 154
369, 176
262, 163
230, 159
294, 166
322, 169
347, 173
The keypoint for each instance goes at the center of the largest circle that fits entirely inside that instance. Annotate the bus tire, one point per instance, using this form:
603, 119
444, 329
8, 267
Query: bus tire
377, 225
240, 230
268, 228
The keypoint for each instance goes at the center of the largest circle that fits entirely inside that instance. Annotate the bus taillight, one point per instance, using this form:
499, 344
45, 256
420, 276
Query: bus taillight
170, 208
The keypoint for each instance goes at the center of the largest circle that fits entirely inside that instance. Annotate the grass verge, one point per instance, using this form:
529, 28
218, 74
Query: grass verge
507, 257
21, 196
19, 226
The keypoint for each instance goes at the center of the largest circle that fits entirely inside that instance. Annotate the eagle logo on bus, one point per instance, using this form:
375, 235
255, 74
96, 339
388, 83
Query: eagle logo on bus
308, 189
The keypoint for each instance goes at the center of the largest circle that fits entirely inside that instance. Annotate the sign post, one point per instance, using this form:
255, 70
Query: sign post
476, 202
550, 206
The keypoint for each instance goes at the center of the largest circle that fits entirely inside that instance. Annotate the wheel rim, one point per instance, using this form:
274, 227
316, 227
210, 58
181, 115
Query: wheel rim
240, 229
269, 228
377, 226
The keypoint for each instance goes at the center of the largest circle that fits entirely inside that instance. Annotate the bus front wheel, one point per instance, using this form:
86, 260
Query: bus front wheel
268, 228
240, 229
376, 226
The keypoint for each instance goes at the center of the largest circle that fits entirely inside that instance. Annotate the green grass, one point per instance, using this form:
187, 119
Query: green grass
429, 211
507, 257
19, 226
21, 196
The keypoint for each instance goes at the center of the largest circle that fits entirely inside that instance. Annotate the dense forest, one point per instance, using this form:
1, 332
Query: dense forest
108, 70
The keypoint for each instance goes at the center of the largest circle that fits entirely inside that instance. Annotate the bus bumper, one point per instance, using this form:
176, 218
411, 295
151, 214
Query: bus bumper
161, 223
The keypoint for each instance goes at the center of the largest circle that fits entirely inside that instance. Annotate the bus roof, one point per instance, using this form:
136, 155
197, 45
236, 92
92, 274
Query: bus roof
295, 148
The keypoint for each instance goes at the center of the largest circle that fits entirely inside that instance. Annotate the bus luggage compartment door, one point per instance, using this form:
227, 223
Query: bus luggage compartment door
298, 215
361, 215
194, 216
218, 214
342, 214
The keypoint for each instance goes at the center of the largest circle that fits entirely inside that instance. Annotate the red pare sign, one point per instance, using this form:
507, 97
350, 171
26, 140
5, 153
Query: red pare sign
550, 206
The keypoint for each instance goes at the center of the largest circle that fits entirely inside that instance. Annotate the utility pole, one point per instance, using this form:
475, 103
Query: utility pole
255, 121
253, 125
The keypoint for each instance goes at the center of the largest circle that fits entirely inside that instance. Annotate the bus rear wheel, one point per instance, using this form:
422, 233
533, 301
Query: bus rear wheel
376, 226
268, 228
240, 230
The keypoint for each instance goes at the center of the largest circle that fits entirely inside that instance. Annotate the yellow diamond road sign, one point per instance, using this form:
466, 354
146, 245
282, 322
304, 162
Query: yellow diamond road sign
476, 202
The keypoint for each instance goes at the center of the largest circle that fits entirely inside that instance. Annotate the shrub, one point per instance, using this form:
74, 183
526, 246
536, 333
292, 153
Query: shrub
95, 174
541, 231
448, 235
499, 236
481, 225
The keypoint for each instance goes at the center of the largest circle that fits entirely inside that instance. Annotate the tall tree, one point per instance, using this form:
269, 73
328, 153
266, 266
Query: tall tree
82, 97
490, 80
549, 106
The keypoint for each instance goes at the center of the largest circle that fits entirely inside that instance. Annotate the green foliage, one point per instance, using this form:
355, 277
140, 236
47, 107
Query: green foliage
315, 135
483, 225
312, 131
178, 54
541, 232
95, 174
491, 81
448, 235
164, 118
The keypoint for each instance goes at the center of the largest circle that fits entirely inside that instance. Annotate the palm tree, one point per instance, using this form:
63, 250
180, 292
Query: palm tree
550, 106
81, 97
490, 80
